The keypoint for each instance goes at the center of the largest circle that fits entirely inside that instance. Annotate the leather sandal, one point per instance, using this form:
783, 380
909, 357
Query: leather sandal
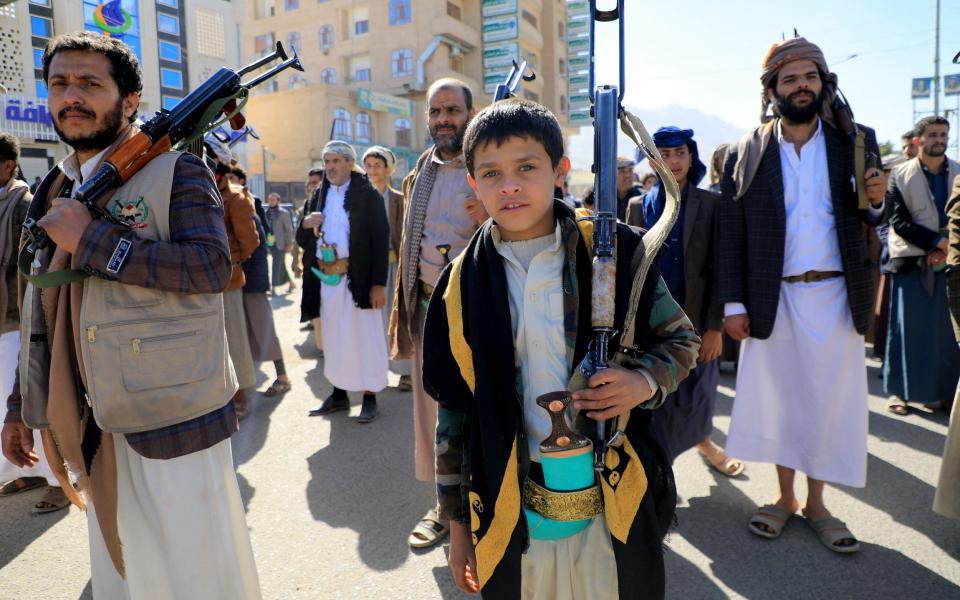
831, 530
773, 517
21, 484
53, 500
276, 388
429, 531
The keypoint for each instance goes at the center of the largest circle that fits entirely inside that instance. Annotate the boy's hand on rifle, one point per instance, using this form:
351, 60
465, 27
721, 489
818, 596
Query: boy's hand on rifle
65, 223
463, 558
613, 391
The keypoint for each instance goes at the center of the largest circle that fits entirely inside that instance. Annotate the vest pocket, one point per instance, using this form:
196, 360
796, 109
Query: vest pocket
119, 295
171, 358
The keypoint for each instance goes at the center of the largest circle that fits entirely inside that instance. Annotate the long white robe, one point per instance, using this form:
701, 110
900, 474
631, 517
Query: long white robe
802, 393
355, 349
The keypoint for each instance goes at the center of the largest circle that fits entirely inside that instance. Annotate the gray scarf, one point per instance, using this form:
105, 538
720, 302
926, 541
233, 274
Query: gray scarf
413, 226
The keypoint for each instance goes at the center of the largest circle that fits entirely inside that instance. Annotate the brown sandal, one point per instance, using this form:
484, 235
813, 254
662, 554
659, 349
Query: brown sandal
278, 387
897, 406
53, 500
21, 484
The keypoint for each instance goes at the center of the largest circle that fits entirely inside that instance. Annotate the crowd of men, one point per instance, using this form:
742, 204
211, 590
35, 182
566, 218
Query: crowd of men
437, 282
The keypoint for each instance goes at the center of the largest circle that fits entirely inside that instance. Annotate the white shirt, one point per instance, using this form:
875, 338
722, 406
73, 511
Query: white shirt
534, 270
336, 222
810, 243
78, 173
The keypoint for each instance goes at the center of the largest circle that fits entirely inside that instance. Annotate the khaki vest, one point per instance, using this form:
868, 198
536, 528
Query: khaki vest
913, 186
151, 358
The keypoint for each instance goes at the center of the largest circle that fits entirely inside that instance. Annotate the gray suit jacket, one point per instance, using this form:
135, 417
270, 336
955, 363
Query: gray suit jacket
700, 238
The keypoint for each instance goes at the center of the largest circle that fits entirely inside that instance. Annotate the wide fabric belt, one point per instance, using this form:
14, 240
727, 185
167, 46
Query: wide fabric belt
337, 267
392, 256
813, 276
562, 506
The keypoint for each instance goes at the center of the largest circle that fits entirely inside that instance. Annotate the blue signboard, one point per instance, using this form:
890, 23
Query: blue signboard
951, 85
117, 18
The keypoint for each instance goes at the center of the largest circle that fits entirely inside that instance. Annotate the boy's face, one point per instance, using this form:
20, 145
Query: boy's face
515, 183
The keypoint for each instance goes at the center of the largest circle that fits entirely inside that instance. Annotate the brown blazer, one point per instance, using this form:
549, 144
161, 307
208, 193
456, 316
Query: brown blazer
242, 233
395, 217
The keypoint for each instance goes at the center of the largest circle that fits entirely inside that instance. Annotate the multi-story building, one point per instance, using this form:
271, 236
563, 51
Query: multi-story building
179, 44
368, 64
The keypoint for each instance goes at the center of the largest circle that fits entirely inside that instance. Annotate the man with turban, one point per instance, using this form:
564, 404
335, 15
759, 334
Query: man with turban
796, 285
686, 263
347, 235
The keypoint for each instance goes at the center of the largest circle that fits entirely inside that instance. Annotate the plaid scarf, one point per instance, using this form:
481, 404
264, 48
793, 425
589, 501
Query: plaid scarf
413, 225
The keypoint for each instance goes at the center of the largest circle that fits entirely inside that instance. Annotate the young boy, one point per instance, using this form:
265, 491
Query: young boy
509, 321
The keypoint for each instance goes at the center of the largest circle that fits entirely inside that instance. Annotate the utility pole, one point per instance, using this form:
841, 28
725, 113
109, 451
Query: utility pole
936, 63
264, 151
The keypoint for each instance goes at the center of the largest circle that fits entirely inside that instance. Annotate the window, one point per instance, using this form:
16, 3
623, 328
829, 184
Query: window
360, 67
399, 12
361, 27
168, 24
402, 129
329, 76
293, 41
531, 58
326, 37
40, 2
563, 105
264, 44
361, 20
341, 124
41, 89
296, 81
453, 10
561, 30
401, 63
528, 17
170, 51
171, 78
170, 3
562, 68
38, 58
266, 8
362, 74
169, 102
41, 26
291, 4
363, 127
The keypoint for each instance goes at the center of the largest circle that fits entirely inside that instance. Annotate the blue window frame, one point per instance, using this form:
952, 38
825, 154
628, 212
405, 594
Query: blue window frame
291, 4
168, 24
362, 74
38, 58
399, 12
170, 3
362, 27
171, 78
170, 101
41, 89
170, 51
41, 26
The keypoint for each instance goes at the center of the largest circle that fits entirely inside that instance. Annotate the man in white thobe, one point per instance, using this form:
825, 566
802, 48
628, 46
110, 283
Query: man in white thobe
797, 289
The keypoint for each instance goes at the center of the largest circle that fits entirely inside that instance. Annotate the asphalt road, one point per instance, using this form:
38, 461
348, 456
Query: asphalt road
330, 503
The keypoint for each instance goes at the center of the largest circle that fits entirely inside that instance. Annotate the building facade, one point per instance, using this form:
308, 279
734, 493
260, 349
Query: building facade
368, 64
179, 44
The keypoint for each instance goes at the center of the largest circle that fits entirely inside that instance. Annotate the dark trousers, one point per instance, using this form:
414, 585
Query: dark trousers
278, 272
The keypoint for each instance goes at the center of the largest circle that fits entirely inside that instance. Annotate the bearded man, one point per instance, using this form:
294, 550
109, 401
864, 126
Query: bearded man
137, 368
797, 288
441, 213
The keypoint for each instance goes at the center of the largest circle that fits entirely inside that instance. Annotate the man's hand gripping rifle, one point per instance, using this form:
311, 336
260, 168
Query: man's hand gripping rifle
218, 99
607, 110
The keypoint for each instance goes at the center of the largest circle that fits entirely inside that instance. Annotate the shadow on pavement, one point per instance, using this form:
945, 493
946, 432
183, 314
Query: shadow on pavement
902, 431
20, 526
253, 430
783, 567
363, 479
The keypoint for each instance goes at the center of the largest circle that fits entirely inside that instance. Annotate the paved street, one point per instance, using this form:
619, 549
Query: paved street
330, 503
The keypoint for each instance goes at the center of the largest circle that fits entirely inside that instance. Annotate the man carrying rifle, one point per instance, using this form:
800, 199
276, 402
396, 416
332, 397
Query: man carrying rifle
441, 212
165, 514
797, 287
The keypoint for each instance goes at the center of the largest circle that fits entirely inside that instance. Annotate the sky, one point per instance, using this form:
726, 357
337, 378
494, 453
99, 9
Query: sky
706, 54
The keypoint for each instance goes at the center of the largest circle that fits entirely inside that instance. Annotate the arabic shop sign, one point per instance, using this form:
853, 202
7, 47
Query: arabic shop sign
384, 103
26, 117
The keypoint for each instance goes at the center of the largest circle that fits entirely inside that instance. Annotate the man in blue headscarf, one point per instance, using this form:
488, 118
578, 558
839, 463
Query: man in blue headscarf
687, 265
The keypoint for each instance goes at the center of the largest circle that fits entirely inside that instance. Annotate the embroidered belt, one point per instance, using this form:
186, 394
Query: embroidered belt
813, 276
337, 267
562, 506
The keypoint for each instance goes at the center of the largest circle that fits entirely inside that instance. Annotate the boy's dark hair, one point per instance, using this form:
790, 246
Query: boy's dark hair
513, 118
925, 122
125, 68
315, 172
9, 147
239, 172
908, 136
588, 198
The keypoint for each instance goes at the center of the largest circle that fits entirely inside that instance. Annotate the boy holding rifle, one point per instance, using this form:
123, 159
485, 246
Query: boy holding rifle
508, 324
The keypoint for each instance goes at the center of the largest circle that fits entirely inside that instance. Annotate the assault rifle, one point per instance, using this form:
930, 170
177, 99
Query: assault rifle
607, 111
508, 88
216, 100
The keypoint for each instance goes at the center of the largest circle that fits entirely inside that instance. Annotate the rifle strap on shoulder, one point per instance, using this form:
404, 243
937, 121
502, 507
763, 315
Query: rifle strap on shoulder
860, 169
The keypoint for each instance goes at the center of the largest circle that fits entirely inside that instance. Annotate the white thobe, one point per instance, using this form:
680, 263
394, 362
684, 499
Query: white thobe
802, 393
355, 357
